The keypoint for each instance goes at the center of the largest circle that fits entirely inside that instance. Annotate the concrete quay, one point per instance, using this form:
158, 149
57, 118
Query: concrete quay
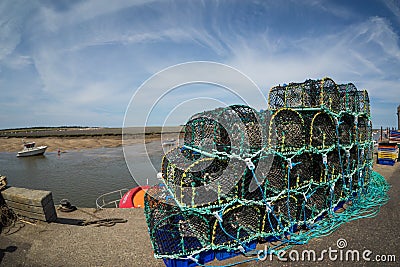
65, 243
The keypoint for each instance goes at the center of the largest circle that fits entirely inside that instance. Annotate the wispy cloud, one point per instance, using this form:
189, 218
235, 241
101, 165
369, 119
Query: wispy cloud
394, 7
13, 16
366, 53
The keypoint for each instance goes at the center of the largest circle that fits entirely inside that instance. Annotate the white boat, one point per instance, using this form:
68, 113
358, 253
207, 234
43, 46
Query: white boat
171, 142
31, 150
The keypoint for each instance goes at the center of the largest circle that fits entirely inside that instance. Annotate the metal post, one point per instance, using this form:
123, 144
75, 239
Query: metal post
398, 117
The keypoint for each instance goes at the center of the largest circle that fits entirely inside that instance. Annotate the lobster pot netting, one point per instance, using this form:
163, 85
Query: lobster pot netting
323, 133
317, 202
203, 181
287, 209
211, 181
239, 223
307, 169
248, 188
270, 224
294, 95
264, 117
235, 129
244, 175
174, 163
349, 100
244, 125
172, 230
207, 134
272, 171
364, 102
320, 93
336, 164
364, 129
310, 94
330, 95
337, 193
347, 133
286, 131
277, 97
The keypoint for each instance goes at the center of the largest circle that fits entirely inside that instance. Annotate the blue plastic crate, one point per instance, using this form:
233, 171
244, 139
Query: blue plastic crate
271, 238
386, 162
225, 254
179, 263
251, 246
206, 256
203, 258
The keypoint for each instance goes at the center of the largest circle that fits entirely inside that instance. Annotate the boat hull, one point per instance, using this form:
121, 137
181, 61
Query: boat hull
32, 152
134, 198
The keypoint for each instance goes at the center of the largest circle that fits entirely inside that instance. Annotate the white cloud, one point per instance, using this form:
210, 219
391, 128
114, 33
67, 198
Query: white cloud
84, 11
18, 61
12, 18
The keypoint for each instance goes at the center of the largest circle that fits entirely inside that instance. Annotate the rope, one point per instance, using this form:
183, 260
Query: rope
9, 220
103, 222
8, 216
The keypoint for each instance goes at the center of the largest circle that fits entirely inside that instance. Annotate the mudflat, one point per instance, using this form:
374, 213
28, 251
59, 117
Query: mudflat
82, 138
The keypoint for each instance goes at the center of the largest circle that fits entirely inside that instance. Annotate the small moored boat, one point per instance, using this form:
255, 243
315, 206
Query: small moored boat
31, 150
123, 198
171, 142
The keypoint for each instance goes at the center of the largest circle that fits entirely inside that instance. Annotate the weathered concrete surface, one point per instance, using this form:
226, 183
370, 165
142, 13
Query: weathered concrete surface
128, 244
66, 244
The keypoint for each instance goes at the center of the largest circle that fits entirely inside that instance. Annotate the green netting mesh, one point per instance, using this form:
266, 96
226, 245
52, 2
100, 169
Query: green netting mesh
244, 176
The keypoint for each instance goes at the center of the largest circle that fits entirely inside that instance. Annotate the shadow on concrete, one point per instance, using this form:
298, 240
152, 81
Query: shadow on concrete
9, 249
69, 221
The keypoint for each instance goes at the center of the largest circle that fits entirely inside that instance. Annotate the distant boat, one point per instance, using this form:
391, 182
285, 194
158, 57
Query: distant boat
31, 150
171, 142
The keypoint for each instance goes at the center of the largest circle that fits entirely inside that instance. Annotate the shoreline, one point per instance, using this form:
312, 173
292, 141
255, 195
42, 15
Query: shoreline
15, 144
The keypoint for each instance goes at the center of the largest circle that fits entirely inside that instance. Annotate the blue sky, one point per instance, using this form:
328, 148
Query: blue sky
80, 62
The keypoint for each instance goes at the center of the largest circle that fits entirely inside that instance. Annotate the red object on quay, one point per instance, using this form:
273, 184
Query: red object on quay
134, 198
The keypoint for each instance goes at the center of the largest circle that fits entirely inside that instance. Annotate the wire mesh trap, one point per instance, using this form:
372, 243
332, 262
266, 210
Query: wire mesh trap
244, 176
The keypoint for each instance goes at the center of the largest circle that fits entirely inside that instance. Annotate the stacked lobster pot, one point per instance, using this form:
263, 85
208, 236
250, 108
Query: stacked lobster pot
244, 177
